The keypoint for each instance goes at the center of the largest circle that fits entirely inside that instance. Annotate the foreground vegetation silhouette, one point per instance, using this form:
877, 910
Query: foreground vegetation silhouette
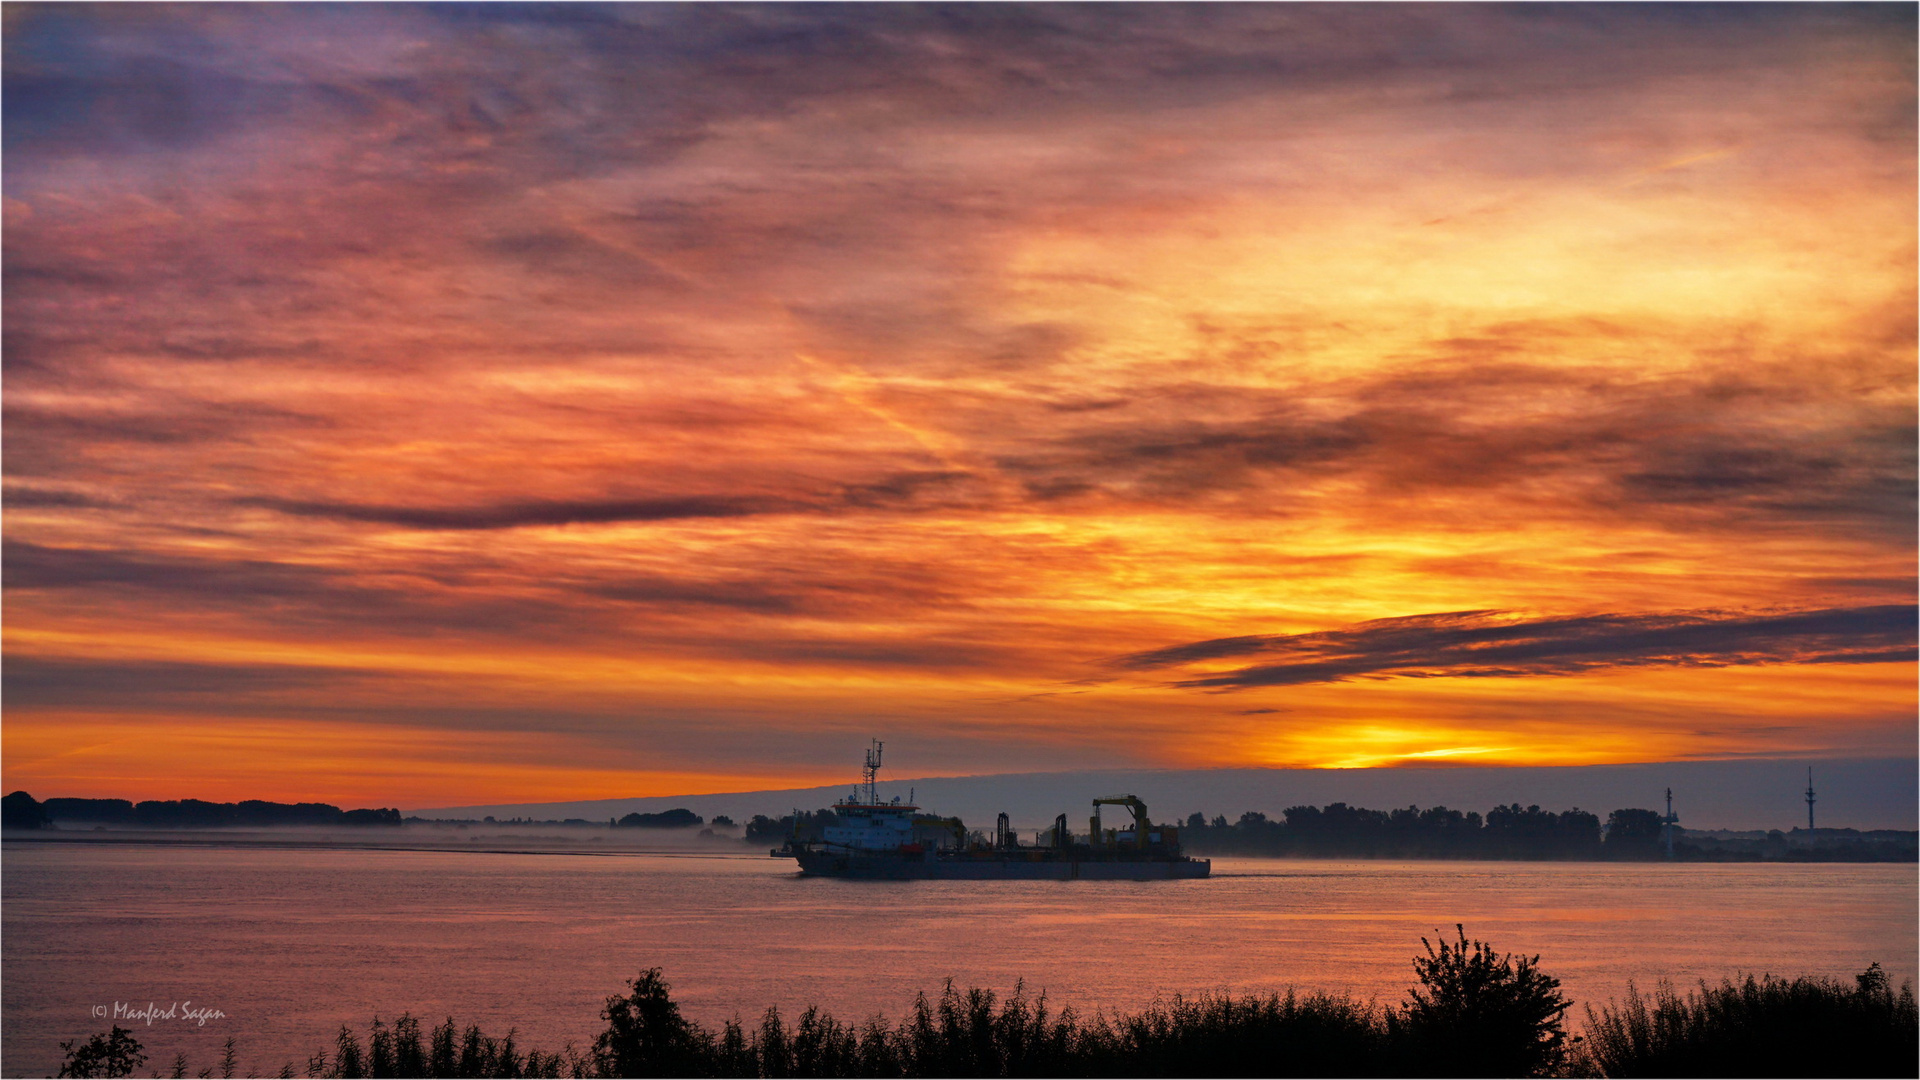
1760, 1027
1474, 1012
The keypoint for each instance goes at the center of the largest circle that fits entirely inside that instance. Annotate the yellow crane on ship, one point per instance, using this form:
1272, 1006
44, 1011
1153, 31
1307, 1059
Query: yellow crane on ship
1131, 802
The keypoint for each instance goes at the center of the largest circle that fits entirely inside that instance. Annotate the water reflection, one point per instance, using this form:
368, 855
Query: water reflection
288, 943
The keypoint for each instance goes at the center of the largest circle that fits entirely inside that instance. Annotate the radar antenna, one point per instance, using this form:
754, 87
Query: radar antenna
1667, 823
871, 770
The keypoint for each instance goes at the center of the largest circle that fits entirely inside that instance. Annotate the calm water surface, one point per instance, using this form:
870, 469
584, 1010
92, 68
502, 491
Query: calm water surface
290, 943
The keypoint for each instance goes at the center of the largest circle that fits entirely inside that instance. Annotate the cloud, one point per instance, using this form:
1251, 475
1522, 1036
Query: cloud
38, 566
192, 422
1708, 448
957, 347
911, 490
775, 609
22, 496
72, 683
1493, 644
518, 514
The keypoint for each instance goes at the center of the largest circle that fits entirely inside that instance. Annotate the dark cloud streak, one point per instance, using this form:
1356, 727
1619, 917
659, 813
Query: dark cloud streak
1489, 644
1711, 449
511, 515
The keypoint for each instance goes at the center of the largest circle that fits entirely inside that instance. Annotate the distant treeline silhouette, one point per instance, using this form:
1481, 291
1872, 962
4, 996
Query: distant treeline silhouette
23, 812
1802, 845
677, 818
762, 829
1516, 832
1505, 832
1334, 831
1474, 1012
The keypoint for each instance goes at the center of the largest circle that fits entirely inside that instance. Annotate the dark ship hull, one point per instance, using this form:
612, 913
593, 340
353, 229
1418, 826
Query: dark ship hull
1022, 865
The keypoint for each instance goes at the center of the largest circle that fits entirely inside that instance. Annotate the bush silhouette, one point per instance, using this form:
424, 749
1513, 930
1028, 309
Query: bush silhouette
1479, 1013
646, 1035
1760, 1027
112, 1053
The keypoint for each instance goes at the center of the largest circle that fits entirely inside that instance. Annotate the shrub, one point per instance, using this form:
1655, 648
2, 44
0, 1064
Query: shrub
1278, 1035
1479, 1013
109, 1053
1760, 1027
647, 1036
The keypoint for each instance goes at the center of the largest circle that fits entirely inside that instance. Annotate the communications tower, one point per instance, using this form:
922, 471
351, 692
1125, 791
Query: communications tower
1809, 798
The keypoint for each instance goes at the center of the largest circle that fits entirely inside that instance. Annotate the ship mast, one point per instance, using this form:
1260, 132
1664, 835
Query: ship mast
872, 770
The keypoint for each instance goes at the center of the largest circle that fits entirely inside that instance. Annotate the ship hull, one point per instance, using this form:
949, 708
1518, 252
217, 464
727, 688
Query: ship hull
975, 868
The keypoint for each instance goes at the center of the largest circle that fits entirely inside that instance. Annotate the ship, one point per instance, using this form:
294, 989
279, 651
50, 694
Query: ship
866, 837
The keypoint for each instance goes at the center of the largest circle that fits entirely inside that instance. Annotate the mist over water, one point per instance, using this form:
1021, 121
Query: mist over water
289, 943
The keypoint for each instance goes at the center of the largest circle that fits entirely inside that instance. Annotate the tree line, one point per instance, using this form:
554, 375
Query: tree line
22, 811
1516, 832
677, 818
1504, 832
1342, 830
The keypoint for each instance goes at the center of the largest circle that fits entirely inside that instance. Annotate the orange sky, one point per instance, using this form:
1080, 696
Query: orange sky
422, 406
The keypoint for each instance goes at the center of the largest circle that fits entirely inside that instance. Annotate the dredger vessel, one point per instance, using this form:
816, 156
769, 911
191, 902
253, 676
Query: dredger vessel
868, 838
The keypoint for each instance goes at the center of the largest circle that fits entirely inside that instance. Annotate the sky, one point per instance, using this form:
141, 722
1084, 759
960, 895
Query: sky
448, 404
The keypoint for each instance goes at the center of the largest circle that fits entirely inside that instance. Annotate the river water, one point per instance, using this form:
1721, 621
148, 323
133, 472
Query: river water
288, 944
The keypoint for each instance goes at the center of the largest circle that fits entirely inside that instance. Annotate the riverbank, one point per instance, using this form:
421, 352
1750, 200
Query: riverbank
1471, 1011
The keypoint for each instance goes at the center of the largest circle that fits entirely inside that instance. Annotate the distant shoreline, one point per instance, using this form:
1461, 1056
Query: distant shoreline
242, 842
694, 847
1748, 794
1506, 833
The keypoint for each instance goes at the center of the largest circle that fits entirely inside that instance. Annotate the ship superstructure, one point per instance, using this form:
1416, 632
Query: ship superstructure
870, 838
